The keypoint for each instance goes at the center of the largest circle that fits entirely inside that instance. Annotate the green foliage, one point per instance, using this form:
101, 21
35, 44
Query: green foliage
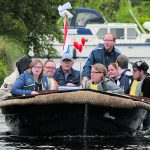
3, 72
123, 15
29, 20
10, 51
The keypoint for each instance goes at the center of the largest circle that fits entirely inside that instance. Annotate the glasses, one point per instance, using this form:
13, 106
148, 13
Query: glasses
48, 67
108, 40
95, 72
37, 67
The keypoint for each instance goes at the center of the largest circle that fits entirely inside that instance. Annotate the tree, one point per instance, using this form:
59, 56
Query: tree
27, 21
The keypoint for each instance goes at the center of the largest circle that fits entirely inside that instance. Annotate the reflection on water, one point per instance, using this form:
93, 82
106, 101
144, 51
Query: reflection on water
74, 143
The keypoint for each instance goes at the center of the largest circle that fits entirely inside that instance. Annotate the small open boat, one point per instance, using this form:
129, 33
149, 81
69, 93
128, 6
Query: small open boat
74, 112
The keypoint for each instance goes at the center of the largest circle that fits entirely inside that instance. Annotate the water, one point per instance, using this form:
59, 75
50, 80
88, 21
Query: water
11, 142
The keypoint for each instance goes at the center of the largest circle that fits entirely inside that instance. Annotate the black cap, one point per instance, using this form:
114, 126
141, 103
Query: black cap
140, 65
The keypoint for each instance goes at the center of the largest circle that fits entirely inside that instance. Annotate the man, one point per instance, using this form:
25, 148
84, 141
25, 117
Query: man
140, 73
105, 55
65, 75
125, 77
49, 70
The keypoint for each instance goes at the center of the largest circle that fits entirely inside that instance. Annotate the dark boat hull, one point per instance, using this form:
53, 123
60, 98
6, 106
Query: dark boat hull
72, 119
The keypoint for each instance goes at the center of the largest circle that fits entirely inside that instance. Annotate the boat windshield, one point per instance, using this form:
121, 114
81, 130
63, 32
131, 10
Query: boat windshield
84, 18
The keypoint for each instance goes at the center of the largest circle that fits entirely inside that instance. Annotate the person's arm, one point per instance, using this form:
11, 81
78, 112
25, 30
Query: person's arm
17, 88
113, 87
87, 67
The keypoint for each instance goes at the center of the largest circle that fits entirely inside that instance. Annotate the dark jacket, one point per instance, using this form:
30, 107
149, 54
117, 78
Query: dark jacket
124, 80
73, 77
25, 84
99, 55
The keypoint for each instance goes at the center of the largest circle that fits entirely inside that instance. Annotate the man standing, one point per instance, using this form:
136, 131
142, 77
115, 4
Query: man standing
104, 55
65, 75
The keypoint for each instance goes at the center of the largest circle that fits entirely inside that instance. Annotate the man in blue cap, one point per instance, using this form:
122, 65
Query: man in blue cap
65, 75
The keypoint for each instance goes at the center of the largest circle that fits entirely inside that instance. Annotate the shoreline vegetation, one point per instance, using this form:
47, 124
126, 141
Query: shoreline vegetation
21, 25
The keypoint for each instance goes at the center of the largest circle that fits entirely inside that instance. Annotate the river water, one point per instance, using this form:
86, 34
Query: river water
11, 142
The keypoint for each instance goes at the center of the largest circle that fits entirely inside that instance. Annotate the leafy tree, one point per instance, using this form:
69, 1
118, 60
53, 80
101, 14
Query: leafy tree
27, 21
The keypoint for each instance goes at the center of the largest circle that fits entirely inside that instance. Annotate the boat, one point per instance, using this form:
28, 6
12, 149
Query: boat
87, 24
74, 112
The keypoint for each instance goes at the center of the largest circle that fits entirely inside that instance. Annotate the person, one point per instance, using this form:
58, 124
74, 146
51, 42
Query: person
65, 75
140, 68
31, 81
125, 76
113, 71
103, 54
49, 70
100, 82
21, 65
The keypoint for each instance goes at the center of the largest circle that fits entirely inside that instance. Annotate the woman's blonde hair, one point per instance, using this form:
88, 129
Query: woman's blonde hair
100, 68
35, 61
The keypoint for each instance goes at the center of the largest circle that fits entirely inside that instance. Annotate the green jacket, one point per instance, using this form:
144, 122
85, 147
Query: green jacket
107, 85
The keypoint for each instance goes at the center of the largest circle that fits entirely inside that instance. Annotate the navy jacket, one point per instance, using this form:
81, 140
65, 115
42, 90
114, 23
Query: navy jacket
73, 77
25, 84
99, 55
124, 80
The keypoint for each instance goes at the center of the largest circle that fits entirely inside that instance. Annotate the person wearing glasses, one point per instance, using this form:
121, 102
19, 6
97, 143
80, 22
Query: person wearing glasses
49, 70
105, 55
140, 73
31, 81
65, 75
100, 82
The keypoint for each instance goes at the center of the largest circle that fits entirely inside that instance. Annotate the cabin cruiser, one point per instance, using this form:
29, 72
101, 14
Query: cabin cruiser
91, 26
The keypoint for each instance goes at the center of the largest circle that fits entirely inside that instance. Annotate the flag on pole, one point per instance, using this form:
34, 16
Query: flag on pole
66, 46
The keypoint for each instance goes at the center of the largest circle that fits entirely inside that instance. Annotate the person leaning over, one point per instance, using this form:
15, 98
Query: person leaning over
31, 81
125, 76
103, 54
65, 75
100, 82
21, 65
49, 70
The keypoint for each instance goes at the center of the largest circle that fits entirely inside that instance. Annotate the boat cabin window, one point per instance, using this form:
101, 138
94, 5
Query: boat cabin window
119, 32
101, 33
83, 18
131, 33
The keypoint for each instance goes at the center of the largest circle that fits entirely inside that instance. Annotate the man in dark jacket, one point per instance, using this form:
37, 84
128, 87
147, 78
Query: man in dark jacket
140, 68
65, 75
105, 55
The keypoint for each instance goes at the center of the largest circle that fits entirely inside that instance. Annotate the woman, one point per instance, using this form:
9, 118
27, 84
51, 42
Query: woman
113, 71
100, 82
31, 81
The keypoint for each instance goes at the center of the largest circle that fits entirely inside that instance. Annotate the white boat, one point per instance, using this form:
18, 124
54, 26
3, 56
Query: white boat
85, 24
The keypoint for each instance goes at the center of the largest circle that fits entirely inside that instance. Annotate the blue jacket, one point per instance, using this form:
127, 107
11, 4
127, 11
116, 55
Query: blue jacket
99, 55
25, 84
73, 77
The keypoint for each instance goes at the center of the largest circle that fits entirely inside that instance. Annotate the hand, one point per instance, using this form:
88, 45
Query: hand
70, 84
84, 80
34, 92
